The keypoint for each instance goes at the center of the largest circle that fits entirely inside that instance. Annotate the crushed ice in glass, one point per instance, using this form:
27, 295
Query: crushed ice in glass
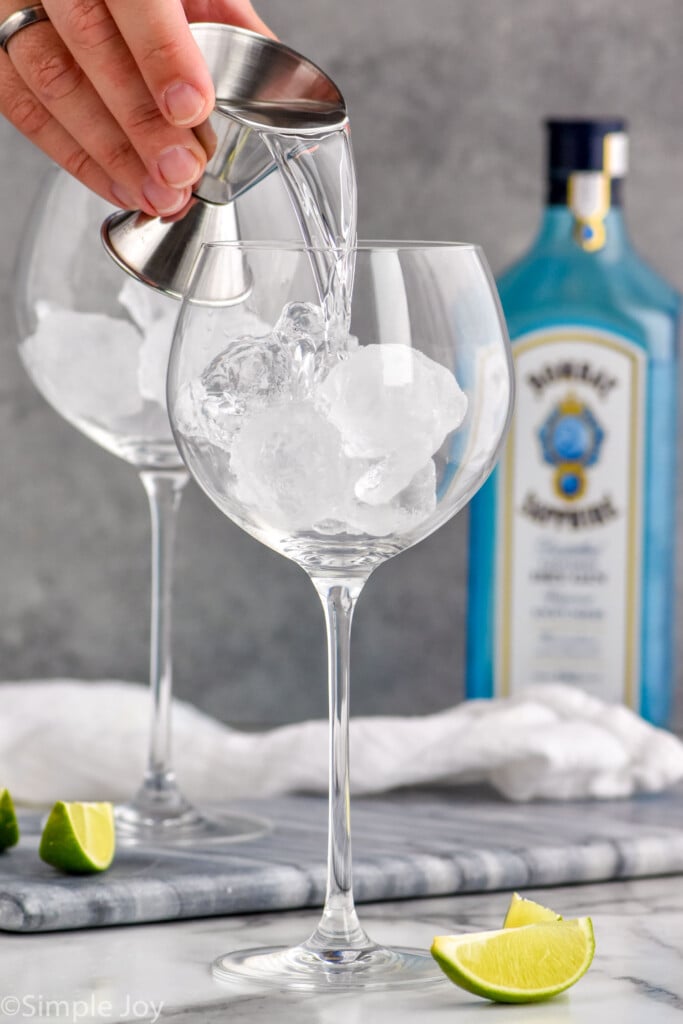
288, 468
324, 434
85, 363
105, 368
251, 373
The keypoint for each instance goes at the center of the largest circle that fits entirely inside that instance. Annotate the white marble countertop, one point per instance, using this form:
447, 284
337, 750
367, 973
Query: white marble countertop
161, 972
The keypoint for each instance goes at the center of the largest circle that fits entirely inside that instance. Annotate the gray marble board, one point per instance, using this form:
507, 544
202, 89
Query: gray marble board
410, 844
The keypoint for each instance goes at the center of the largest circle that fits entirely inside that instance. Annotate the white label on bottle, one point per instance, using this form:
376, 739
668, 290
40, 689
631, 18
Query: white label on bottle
570, 516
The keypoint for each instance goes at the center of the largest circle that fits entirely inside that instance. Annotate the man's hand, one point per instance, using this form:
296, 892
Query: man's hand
111, 90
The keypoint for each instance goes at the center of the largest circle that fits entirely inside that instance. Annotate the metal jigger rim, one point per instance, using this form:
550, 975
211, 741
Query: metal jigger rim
121, 225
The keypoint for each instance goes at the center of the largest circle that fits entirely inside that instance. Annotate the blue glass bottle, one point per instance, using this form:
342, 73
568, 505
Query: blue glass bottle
571, 572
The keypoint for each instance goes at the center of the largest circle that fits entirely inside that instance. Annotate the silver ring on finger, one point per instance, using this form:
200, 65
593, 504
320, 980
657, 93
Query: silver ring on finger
21, 19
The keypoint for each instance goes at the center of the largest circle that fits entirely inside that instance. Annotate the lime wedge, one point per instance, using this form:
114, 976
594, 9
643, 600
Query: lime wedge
522, 911
518, 965
9, 827
79, 837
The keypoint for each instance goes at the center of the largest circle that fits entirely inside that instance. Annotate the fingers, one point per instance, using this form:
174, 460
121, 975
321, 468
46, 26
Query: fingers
78, 130
112, 90
171, 156
21, 108
169, 59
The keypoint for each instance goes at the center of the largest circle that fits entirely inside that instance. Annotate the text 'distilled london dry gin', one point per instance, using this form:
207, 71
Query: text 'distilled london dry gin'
572, 537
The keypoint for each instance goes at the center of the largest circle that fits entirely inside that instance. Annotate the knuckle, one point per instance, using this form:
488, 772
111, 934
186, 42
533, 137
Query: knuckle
163, 53
144, 118
89, 24
56, 76
78, 164
27, 114
118, 156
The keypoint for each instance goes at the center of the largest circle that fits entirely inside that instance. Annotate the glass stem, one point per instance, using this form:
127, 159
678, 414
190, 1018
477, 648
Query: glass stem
164, 490
339, 928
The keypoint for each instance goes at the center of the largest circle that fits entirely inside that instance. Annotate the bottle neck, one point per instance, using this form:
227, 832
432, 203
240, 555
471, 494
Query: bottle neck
559, 188
587, 164
560, 227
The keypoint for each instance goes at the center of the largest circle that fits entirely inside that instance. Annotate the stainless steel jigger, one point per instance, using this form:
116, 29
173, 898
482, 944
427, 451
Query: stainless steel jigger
261, 86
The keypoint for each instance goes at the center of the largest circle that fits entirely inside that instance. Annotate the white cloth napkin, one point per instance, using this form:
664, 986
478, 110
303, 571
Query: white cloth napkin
74, 740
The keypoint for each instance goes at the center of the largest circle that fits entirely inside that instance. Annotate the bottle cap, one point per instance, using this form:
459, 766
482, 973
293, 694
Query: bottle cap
599, 144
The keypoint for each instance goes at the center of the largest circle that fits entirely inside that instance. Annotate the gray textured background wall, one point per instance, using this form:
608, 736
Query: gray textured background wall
445, 98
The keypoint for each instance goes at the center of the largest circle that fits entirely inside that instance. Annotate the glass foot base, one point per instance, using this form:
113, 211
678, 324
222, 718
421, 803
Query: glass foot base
300, 967
135, 826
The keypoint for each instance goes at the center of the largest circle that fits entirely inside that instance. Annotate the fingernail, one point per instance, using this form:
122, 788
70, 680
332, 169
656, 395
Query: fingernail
179, 166
123, 196
184, 103
164, 200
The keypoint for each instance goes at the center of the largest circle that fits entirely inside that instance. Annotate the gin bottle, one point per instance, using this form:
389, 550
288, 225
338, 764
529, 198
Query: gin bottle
571, 569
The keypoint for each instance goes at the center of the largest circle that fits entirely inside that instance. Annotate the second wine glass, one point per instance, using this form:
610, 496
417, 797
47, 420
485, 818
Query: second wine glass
95, 343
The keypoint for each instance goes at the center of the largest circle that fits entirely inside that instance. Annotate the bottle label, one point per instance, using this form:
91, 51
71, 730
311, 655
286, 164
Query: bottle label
570, 515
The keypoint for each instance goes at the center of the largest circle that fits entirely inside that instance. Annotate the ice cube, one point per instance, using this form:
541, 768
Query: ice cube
395, 405
202, 416
251, 372
289, 467
302, 322
155, 316
301, 329
85, 364
154, 354
387, 477
316, 344
383, 396
406, 510
144, 305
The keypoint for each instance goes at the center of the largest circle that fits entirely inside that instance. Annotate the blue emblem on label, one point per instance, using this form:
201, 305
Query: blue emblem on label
571, 438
